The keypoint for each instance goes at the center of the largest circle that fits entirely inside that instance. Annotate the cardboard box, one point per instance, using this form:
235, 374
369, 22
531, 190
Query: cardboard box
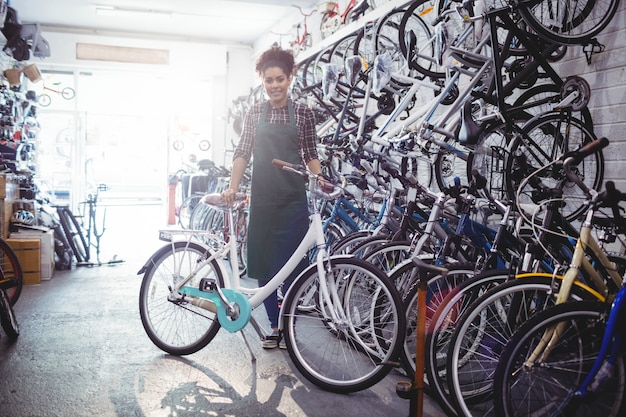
28, 252
46, 238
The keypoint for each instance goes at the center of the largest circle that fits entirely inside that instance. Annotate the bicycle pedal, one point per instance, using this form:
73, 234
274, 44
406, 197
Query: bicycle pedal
208, 285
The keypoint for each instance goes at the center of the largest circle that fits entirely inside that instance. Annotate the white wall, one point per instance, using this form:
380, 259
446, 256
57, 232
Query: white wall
607, 78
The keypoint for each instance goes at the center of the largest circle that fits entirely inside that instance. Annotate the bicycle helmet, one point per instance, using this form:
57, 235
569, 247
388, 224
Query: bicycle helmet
23, 217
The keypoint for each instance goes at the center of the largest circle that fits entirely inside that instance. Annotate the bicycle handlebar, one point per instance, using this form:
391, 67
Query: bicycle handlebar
574, 157
325, 192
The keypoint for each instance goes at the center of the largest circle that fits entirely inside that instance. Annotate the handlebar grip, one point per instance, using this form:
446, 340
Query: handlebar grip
590, 148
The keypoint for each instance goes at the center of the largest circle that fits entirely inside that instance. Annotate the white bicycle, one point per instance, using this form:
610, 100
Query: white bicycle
342, 319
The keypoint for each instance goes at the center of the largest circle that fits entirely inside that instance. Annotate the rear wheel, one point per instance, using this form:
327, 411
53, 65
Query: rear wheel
546, 138
172, 322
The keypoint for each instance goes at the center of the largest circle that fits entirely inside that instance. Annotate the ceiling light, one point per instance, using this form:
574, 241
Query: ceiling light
147, 14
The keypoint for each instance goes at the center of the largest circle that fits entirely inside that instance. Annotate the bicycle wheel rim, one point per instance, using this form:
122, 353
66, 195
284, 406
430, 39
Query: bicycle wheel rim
481, 334
548, 388
439, 332
177, 327
74, 235
557, 21
438, 288
353, 354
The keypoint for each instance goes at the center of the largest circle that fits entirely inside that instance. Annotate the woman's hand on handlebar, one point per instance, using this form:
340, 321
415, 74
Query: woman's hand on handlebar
228, 195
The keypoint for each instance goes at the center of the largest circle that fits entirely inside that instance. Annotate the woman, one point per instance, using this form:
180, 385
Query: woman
282, 129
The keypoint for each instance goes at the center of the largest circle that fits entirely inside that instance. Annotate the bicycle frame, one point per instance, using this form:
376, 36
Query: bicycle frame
314, 238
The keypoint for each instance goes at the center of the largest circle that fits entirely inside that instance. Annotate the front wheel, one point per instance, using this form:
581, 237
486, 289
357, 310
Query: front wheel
171, 321
523, 387
344, 345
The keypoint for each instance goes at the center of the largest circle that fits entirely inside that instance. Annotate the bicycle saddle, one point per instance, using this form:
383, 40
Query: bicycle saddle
470, 130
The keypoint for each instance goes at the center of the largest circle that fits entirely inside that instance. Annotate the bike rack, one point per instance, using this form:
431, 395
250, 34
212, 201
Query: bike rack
591, 48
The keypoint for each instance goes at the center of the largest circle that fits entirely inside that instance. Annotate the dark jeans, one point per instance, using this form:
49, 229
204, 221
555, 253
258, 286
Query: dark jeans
271, 302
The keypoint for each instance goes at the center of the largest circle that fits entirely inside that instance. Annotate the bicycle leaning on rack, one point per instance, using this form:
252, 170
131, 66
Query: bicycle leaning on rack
341, 318
85, 230
572, 353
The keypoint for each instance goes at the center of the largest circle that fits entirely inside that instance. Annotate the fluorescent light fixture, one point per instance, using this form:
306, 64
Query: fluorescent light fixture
145, 14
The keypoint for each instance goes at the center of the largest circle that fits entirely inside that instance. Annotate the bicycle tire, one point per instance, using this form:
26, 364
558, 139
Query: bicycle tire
10, 270
549, 387
74, 234
177, 327
386, 35
329, 24
186, 209
417, 21
490, 154
340, 357
589, 20
349, 242
44, 100
68, 93
481, 333
451, 162
541, 143
441, 327
7, 317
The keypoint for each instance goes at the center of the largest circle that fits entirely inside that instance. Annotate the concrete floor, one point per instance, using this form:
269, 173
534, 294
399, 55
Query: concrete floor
82, 351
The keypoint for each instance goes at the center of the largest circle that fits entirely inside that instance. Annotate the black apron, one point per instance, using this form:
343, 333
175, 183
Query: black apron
278, 205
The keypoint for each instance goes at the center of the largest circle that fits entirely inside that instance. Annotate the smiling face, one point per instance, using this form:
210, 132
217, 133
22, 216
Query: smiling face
276, 84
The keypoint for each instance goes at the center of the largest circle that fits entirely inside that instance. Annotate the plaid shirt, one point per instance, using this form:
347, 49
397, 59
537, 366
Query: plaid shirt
305, 120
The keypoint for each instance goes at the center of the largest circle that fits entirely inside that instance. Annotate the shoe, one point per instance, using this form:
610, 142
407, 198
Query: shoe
271, 341
281, 343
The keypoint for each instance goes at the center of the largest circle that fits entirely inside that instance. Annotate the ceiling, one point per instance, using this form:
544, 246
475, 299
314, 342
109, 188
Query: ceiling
222, 21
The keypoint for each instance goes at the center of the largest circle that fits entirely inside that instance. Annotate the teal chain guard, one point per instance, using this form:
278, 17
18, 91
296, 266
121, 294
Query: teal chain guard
245, 311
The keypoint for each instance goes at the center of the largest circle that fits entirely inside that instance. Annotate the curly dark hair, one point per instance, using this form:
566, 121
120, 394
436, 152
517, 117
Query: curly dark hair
276, 57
